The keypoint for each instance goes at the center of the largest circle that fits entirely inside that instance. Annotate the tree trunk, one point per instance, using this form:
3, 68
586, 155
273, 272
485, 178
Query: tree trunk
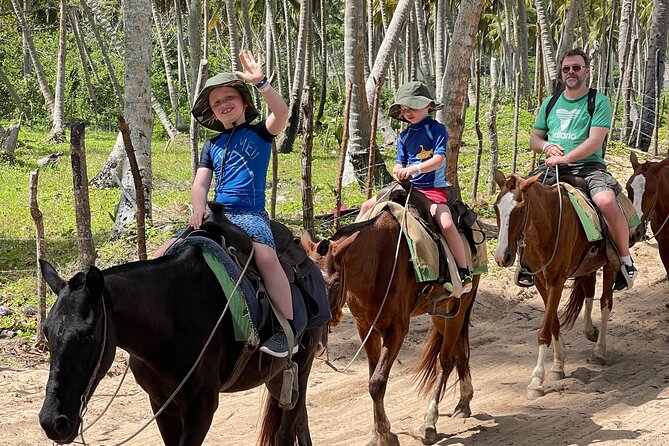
491, 121
522, 39
233, 33
83, 56
171, 90
547, 46
568, 34
137, 110
455, 80
37, 65
57, 133
657, 47
82, 208
288, 139
423, 44
11, 90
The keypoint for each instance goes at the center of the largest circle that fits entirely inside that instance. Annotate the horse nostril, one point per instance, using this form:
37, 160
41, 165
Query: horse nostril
508, 259
62, 425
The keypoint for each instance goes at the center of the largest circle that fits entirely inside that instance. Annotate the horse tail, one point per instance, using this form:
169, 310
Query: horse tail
428, 364
271, 421
576, 298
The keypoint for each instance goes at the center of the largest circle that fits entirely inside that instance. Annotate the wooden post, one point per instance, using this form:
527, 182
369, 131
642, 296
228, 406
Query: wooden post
140, 210
82, 208
307, 149
41, 254
342, 155
516, 107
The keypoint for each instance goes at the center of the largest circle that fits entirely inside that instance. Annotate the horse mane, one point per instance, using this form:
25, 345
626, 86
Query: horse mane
355, 227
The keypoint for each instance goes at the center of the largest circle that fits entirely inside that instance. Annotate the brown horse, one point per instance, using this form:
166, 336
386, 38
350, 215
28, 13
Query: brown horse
542, 219
648, 188
382, 293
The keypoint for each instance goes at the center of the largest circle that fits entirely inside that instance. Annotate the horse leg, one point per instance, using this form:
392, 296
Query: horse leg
559, 355
551, 297
197, 419
606, 304
380, 362
170, 427
589, 330
428, 431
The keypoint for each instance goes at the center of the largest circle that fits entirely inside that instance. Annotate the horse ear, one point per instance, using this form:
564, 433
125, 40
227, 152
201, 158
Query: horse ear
499, 177
55, 282
95, 281
634, 160
307, 242
339, 248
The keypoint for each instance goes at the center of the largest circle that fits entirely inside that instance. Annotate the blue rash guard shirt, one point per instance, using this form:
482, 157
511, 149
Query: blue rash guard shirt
239, 158
419, 143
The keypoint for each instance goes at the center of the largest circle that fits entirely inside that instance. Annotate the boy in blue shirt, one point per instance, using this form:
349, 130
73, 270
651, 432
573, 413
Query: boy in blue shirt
421, 158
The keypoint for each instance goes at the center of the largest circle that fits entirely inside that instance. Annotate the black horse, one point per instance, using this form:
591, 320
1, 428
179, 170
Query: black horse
161, 312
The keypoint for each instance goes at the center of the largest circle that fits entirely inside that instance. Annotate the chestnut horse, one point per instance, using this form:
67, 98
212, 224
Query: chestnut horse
648, 188
542, 219
367, 264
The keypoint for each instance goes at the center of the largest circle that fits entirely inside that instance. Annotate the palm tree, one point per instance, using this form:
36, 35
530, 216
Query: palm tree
57, 133
137, 108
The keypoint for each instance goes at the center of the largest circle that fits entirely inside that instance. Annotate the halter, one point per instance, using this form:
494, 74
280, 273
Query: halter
646, 220
521, 238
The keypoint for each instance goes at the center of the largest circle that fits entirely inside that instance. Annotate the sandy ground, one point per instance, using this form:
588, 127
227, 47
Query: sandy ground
625, 402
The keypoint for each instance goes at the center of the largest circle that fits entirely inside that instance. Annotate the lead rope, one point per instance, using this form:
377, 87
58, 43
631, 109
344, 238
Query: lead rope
390, 281
183, 381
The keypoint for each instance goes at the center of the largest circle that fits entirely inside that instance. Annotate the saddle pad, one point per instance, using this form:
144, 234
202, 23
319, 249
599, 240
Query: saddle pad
244, 307
588, 214
424, 254
585, 211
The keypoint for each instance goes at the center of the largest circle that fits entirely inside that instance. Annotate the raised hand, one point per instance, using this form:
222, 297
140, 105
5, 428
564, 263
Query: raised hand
253, 72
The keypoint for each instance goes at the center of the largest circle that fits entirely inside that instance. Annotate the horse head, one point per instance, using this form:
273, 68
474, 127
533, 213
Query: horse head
510, 210
329, 256
80, 357
642, 189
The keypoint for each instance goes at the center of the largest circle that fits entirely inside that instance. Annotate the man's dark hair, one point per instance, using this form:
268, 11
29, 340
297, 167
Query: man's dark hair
576, 52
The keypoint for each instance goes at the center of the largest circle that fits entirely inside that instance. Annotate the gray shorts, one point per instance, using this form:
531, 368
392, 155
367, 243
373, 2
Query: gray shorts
597, 177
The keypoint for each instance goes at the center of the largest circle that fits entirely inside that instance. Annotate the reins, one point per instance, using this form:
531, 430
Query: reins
390, 281
183, 381
521, 243
646, 220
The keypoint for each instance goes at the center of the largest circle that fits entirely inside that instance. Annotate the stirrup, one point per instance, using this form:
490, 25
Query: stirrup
449, 314
519, 270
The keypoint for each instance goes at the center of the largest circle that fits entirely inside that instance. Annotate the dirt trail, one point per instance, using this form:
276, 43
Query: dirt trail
625, 402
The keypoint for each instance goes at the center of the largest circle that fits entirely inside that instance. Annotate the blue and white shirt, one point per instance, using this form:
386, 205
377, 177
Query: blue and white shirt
419, 143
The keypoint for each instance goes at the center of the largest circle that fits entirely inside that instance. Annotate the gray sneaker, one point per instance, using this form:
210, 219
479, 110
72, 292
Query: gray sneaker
277, 345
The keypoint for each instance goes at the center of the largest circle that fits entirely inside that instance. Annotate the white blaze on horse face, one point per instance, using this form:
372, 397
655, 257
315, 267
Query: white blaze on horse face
638, 186
505, 206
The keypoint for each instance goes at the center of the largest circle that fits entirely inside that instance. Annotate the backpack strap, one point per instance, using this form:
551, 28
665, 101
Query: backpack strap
592, 94
552, 102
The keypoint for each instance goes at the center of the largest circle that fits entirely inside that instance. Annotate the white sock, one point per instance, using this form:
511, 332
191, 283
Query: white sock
627, 260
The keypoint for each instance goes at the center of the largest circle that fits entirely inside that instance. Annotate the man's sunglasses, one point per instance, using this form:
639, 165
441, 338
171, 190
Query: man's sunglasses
575, 68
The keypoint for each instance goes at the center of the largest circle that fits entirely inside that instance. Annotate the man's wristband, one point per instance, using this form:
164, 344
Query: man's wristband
418, 168
545, 147
263, 85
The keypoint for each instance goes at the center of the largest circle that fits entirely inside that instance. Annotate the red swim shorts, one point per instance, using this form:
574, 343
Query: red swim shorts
436, 195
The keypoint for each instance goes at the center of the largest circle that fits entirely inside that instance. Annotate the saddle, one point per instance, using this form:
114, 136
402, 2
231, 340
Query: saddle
297, 266
419, 206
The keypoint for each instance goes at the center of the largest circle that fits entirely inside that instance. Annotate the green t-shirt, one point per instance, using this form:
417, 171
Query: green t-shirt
569, 122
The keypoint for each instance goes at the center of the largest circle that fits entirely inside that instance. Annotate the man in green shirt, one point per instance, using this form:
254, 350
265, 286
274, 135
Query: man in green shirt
570, 136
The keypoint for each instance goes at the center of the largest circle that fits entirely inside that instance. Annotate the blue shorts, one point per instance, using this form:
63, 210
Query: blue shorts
256, 225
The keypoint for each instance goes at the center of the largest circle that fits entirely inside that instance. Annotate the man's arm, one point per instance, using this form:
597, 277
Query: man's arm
583, 150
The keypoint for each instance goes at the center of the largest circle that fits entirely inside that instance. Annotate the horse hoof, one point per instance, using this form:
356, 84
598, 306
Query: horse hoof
533, 394
592, 336
462, 412
428, 434
555, 375
598, 360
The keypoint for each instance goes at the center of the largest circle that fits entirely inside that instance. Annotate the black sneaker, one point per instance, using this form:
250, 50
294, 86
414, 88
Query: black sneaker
625, 278
466, 279
277, 345
524, 278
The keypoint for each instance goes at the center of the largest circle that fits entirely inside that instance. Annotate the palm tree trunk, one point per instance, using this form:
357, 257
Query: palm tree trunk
57, 133
547, 46
171, 90
286, 143
11, 90
521, 41
83, 55
233, 33
456, 79
37, 65
137, 109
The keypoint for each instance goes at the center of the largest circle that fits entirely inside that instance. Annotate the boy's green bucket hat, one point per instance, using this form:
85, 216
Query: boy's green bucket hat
414, 95
204, 114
